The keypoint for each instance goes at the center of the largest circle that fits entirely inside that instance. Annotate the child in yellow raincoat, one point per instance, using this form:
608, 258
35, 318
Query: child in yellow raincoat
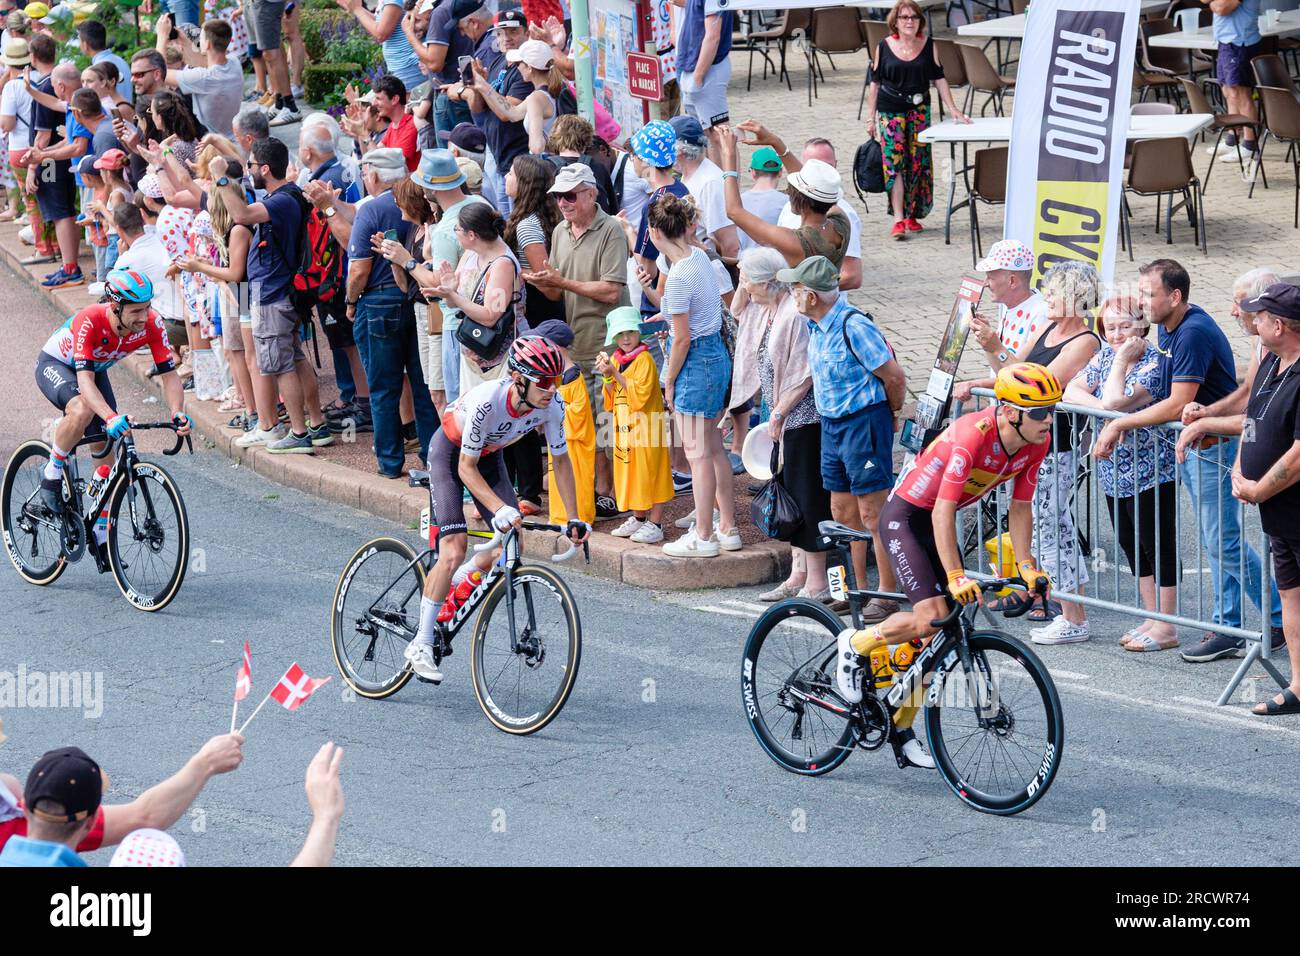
642, 478
579, 430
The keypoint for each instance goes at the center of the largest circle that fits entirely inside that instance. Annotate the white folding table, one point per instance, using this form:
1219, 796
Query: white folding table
997, 129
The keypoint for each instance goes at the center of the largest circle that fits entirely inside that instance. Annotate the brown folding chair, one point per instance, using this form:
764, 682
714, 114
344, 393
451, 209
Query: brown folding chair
954, 68
1166, 60
1162, 166
833, 30
988, 185
984, 79
781, 34
1223, 122
1281, 122
873, 31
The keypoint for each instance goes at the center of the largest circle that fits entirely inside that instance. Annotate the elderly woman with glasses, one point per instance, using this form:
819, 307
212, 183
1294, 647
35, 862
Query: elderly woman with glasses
898, 110
772, 354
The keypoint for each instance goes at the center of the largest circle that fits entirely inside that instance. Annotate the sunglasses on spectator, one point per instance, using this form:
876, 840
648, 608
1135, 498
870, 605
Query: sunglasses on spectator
571, 196
141, 73
907, 16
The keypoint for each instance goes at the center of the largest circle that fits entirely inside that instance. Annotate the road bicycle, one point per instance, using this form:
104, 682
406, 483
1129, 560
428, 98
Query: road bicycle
992, 714
148, 543
527, 638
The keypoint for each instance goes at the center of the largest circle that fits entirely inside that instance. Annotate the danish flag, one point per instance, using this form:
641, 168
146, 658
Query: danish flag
244, 680
295, 687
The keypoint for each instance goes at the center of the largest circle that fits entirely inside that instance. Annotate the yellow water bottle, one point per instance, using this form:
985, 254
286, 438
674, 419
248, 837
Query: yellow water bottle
904, 654
882, 671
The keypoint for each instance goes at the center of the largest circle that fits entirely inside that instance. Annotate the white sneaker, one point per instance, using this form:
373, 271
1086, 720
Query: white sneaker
420, 656
689, 519
848, 667
285, 117
27, 236
728, 540
1223, 149
689, 545
648, 533
916, 754
259, 437
628, 528
1060, 631
296, 91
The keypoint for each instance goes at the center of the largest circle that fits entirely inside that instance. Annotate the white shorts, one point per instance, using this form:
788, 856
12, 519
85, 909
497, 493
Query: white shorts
708, 104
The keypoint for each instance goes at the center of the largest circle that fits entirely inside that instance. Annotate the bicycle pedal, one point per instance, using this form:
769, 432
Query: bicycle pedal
425, 680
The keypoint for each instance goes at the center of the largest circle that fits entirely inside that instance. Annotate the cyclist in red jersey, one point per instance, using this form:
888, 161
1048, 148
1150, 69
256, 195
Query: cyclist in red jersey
72, 370
973, 455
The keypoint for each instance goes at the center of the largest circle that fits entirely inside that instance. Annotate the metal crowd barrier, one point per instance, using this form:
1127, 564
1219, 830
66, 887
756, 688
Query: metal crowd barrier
1112, 586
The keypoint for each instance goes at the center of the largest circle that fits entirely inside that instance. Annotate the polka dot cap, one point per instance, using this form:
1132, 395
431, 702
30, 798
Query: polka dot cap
1007, 254
148, 848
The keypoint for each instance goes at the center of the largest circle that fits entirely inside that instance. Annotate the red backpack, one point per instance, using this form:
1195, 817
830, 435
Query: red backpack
323, 263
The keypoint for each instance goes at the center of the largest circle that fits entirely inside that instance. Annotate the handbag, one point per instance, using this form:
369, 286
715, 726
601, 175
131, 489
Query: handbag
773, 509
487, 341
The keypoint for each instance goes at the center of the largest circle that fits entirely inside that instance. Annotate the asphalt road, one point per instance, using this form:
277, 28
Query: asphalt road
651, 762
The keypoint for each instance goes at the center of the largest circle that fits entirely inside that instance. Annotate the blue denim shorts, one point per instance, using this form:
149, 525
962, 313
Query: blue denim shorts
1232, 64
858, 451
704, 381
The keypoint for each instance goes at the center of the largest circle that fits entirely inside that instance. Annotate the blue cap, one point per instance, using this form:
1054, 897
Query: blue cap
689, 130
655, 143
556, 330
438, 169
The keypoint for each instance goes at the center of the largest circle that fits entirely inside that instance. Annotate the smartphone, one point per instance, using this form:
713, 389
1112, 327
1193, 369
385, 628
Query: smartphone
466, 70
653, 328
391, 234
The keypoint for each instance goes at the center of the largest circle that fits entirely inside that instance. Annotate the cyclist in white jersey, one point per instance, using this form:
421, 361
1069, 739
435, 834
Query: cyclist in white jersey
466, 454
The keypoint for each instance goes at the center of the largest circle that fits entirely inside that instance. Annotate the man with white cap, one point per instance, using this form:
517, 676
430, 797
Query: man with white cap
1022, 311
589, 270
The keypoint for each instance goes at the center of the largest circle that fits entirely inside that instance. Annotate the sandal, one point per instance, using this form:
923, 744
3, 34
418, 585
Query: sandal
1132, 634
1012, 602
239, 421
1144, 643
1042, 614
1290, 705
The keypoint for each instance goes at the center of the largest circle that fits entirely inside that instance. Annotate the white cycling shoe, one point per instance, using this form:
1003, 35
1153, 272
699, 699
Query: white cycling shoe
420, 656
848, 667
913, 752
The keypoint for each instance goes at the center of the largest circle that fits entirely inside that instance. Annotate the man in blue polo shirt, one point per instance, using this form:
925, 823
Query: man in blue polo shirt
384, 316
498, 85
444, 45
61, 802
1236, 29
704, 64
1200, 368
858, 388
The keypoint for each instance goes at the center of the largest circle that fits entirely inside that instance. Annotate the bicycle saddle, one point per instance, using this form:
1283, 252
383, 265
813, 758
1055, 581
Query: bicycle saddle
841, 533
419, 479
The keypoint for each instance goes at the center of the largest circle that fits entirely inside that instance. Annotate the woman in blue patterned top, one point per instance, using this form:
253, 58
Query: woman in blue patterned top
1138, 480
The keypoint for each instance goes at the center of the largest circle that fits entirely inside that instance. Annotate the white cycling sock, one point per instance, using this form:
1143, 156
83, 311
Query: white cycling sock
54, 467
462, 573
428, 618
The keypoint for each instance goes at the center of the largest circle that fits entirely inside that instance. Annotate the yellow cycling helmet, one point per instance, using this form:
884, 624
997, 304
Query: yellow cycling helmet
1027, 385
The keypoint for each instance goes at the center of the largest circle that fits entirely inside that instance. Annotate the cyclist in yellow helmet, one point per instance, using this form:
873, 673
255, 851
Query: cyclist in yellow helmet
973, 455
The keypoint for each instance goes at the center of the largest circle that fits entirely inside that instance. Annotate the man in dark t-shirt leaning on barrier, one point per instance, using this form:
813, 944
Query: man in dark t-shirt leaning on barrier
1268, 468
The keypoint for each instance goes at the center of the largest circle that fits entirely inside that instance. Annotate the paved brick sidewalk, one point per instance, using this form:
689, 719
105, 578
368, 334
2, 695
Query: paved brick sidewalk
909, 286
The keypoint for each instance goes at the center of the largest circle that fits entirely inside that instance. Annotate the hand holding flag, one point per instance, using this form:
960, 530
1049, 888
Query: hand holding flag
243, 683
293, 688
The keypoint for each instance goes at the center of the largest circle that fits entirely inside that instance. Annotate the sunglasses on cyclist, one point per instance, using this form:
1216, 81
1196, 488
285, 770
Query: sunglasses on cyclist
545, 382
1040, 414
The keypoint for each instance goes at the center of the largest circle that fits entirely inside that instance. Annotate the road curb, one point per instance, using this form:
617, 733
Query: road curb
612, 558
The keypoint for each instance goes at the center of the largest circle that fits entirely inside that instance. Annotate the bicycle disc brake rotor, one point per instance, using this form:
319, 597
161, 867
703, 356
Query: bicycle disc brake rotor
532, 648
872, 728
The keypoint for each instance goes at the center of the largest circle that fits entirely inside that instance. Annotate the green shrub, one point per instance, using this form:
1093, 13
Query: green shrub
319, 5
316, 26
320, 80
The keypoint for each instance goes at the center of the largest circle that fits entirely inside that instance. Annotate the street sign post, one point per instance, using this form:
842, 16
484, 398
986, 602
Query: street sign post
644, 77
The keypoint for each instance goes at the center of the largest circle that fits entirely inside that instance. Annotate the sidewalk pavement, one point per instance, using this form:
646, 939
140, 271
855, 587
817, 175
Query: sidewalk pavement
346, 475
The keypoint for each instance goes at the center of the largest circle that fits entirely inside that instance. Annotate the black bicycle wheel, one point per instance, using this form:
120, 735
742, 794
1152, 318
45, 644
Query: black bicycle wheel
1007, 765
522, 684
32, 535
787, 683
148, 537
375, 614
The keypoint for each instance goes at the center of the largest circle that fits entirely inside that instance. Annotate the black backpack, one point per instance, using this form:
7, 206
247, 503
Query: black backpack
868, 170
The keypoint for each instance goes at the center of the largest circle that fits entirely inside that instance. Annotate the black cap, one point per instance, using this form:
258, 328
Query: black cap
465, 136
510, 18
1281, 298
557, 330
68, 777
460, 9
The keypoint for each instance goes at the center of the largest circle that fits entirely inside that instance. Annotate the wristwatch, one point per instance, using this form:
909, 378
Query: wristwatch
1003, 356
410, 264
777, 416
330, 212
223, 181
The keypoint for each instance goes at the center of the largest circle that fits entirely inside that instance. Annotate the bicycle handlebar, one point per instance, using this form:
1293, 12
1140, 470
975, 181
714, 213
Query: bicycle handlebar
498, 537
180, 439
111, 443
997, 584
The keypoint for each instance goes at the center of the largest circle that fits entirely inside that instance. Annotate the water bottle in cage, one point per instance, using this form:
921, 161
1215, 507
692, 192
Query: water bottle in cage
97, 482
